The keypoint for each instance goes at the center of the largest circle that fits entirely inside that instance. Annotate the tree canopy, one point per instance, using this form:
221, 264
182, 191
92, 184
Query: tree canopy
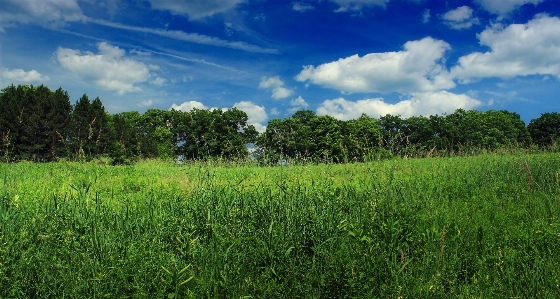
39, 124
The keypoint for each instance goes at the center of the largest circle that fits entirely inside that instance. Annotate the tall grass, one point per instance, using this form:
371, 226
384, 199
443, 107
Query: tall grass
475, 227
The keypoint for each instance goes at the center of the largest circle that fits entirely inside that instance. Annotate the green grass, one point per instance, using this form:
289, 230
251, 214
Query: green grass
474, 227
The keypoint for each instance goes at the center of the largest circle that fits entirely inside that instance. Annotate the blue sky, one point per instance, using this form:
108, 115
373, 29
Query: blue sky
271, 58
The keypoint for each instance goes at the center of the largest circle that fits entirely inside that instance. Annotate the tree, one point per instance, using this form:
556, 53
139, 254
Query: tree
11, 119
58, 114
163, 139
362, 138
125, 136
392, 131
419, 134
100, 135
81, 121
328, 139
545, 130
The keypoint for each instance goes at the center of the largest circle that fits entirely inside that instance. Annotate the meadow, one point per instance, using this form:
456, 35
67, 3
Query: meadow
463, 227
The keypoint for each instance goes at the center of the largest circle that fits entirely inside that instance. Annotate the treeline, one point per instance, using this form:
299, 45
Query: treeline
39, 124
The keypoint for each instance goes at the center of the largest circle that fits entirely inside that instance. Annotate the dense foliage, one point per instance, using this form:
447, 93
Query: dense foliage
469, 227
41, 125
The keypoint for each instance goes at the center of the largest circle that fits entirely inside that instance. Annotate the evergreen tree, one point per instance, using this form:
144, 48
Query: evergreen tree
58, 115
82, 131
99, 142
11, 118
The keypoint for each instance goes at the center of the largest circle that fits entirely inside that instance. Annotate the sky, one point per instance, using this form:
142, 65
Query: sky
272, 58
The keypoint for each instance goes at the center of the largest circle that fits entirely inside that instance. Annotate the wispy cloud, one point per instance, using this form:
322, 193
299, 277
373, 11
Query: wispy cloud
298, 6
137, 49
426, 16
188, 37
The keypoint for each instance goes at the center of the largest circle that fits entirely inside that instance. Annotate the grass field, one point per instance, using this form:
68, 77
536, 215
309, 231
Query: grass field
475, 227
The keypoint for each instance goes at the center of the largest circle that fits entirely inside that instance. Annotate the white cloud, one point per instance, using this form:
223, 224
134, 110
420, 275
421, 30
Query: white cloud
346, 5
158, 81
298, 104
140, 53
281, 93
428, 103
51, 13
274, 111
256, 114
19, 75
270, 82
195, 9
460, 18
188, 37
109, 69
278, 91
145, 103
426, 16
418, 68
188, 106
298, 6
516, 50
504, 7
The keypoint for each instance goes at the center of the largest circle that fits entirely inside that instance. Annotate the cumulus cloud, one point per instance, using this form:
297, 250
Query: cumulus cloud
298, 104
347, 5
195, 9
274, 83
270, 82
419, 67
427, 103
19, 75
51, 13
281, 93
188, 106
516, 50
460, 18
256, 114
504, 7
109, 69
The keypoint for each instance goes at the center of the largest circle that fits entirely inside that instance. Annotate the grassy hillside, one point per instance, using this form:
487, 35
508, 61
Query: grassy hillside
476, 227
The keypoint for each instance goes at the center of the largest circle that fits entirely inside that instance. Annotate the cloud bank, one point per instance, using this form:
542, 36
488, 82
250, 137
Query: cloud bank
428, 103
